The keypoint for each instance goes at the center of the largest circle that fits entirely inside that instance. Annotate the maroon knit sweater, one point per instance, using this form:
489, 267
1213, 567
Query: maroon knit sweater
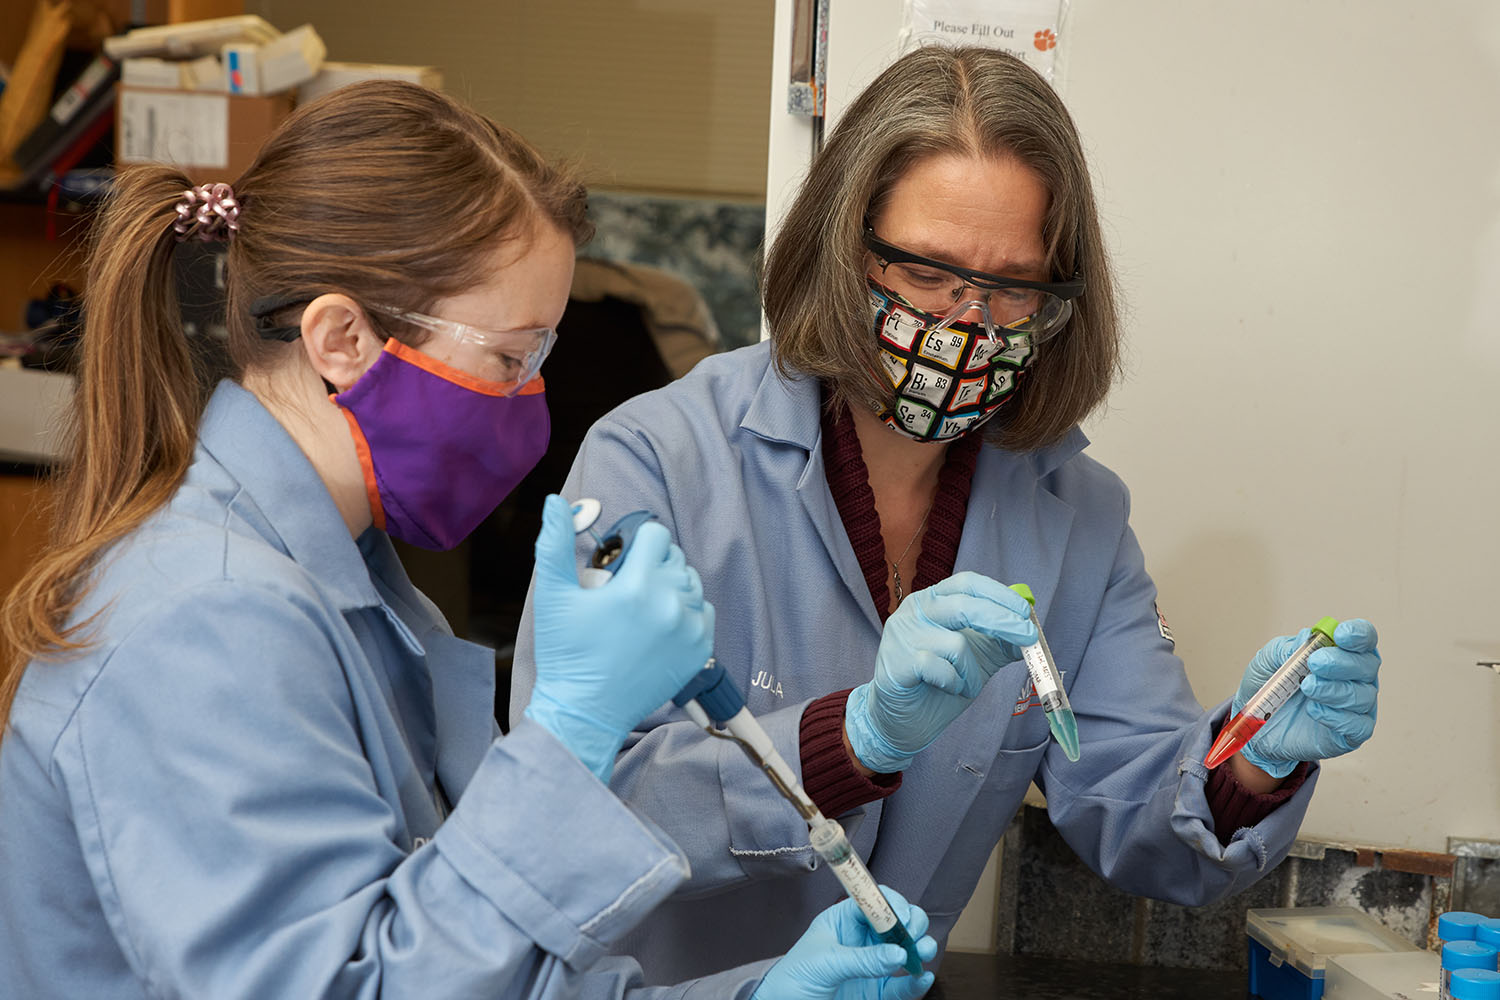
828, 773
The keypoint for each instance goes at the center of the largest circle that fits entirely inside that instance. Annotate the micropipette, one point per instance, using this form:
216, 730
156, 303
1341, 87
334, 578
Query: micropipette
711, 701
1047, 680
1274, 693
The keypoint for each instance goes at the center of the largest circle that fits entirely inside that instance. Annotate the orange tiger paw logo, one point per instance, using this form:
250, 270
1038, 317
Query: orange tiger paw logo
1045, 40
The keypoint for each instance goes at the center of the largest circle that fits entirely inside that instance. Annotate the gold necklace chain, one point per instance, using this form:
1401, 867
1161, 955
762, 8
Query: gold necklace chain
896, 566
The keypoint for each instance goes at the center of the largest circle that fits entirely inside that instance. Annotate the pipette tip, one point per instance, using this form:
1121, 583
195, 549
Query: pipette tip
1064, 728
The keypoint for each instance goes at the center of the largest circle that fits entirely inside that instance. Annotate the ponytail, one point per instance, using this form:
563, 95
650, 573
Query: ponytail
134, 417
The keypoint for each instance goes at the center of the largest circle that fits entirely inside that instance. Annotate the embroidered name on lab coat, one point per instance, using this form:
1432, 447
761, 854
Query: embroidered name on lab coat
765, 679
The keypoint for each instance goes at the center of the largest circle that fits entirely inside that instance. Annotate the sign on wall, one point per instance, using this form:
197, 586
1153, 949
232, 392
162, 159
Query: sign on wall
1027, 29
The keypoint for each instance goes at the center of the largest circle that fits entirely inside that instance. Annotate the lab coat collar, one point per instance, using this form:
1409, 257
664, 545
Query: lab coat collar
785, 410
292, 508
789, 411
462, 673
1049, 459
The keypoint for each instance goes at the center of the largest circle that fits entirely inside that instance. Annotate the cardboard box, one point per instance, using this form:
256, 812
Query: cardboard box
210, 137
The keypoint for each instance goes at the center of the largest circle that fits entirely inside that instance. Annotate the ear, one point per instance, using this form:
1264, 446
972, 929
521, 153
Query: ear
338, 339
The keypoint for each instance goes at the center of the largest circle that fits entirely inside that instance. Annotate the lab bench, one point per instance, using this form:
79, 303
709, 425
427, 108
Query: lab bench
1001, 977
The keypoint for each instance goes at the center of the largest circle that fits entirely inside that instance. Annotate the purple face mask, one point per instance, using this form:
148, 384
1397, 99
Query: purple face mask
440, 448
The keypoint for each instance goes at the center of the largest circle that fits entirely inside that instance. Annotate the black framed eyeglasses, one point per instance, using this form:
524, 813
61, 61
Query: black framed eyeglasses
1037, 309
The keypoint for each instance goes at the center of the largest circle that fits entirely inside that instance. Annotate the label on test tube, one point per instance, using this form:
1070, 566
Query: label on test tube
829, 841
1036, 666
1046, 680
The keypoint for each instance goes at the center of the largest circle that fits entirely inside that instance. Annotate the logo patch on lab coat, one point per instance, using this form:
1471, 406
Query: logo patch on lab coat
1026, 699
1161, 624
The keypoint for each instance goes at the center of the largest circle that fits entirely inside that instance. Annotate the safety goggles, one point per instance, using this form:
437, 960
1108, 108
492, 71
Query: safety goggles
1036, 308
509, 357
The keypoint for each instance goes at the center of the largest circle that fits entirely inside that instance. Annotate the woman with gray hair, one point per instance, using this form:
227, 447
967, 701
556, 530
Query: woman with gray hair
942, 317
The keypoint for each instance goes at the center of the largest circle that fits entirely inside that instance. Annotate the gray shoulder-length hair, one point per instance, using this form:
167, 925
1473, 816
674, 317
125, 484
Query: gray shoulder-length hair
934, 100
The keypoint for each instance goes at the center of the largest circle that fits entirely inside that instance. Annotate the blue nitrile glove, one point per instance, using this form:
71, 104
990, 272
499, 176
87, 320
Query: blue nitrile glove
938, 649
1334, 711
841, 958
609, 656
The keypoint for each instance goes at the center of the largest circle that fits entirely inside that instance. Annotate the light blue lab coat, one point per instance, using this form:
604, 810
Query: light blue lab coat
237, 791
730, 458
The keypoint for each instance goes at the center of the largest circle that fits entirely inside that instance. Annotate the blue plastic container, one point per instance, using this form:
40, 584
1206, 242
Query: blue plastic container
1488, 932
1470, 955
1458, 925
1281, 980
1466, 955
1475, 984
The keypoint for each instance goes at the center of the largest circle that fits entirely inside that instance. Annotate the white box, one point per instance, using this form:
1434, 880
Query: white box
190, 39
146, 71
339, 74
205, 74
241, 69
291, 60
1403, 974
33, 408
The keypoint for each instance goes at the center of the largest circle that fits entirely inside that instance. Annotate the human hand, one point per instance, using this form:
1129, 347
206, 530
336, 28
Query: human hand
840, 957
1330, 714
938, 650
607, 657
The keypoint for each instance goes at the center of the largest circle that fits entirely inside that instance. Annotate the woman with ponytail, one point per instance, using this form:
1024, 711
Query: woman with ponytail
242, 755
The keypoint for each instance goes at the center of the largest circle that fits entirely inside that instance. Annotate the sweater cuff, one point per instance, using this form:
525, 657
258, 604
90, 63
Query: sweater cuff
1234, 807
828, 775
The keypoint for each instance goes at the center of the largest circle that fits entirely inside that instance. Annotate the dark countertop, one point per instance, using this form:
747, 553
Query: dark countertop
1003, 977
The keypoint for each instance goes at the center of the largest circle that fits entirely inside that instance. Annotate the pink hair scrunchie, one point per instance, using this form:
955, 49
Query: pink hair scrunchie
207, 212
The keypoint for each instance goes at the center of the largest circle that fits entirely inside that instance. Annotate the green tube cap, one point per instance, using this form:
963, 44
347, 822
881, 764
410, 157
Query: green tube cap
1326, 626
1025, 592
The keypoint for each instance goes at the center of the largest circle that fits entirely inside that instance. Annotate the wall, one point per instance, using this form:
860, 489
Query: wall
1307, 224
1302, 203
652, 95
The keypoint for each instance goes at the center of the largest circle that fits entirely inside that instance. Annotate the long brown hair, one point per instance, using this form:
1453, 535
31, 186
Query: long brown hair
380, 190
935, 100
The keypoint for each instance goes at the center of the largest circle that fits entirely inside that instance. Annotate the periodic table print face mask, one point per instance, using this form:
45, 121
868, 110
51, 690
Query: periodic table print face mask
949, 375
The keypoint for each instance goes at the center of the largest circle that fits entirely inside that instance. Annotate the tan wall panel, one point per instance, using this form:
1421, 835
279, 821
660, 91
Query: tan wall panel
650, 95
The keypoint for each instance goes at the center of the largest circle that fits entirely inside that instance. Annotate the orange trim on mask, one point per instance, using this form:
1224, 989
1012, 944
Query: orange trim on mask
362, 448
460, 378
